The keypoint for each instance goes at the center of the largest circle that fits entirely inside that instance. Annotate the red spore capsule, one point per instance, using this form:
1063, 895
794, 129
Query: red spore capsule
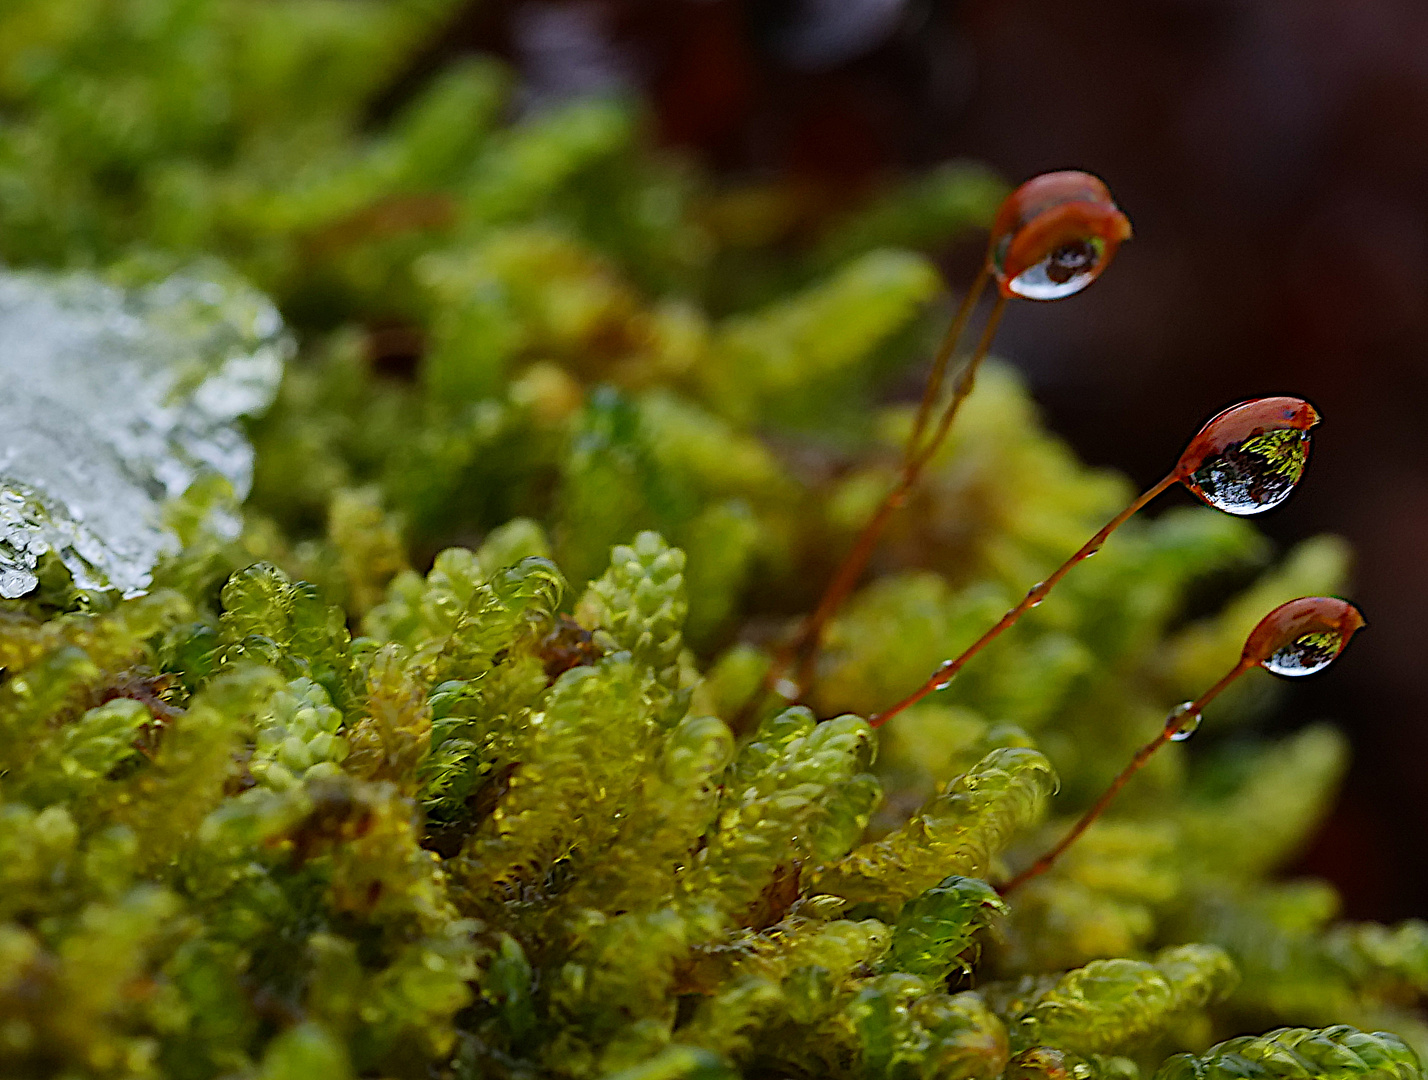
1248, 458
1304, 635
1054, 235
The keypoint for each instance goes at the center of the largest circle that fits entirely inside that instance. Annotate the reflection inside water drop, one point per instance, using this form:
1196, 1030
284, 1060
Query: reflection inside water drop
1065, 271
1306, 654
1255, 475
1183, 722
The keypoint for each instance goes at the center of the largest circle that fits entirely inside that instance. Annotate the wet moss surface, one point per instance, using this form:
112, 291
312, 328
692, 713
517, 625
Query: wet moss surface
431, 757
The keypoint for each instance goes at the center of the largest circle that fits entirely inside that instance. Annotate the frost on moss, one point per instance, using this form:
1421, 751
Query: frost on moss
430, 760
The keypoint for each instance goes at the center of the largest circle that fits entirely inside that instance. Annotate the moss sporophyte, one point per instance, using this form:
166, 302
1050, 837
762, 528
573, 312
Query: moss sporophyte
295, 785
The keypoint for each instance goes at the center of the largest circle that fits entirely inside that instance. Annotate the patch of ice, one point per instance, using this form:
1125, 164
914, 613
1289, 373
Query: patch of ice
113, 401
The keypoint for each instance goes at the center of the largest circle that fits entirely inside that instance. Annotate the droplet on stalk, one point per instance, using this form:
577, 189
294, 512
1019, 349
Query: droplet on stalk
1304, 635
1297, 638
1054, 235
1050, 239
1245, 460
1248, 458
1182, 722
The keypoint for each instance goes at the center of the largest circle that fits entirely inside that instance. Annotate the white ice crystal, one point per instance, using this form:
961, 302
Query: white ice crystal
113, 401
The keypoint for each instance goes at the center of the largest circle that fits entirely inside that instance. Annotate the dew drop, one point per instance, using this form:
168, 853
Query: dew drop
1253, 476
1054, 235
1304, 635
1182, 722
942, 668
1064, 272
1305, 655
1249, 458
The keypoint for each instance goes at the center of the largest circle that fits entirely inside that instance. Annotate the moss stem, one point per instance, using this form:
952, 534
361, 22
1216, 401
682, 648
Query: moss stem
949, 669
940, 361
1136, 763
803, 649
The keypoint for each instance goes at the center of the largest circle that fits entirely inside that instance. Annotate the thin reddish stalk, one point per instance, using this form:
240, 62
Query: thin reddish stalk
856, 561
803, 649
941, 359
948, 671
1142, 755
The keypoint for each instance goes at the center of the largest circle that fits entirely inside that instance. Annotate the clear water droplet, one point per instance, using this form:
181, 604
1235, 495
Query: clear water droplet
945, 665
1064, 272
1254, 475
1306, 654
1182, 722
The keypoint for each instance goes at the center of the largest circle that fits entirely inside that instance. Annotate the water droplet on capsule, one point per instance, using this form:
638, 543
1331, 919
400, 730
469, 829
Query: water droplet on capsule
1064, 272
1249, 458
1054, 235
1305, 655
1304, 635
1182, 722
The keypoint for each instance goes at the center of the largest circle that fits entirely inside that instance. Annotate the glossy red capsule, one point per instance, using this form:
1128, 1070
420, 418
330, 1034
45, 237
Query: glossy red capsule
1304, 635
1248, 458
1054, 235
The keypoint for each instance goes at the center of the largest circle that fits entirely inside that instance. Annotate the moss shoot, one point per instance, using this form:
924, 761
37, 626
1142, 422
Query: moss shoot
426, 759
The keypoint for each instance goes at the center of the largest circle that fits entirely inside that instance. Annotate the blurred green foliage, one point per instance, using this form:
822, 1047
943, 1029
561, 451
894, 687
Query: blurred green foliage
307, 811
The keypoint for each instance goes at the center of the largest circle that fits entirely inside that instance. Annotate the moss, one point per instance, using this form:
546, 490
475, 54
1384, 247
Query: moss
438, 766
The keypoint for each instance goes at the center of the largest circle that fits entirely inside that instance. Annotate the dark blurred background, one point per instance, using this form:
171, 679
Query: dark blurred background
1273, 156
